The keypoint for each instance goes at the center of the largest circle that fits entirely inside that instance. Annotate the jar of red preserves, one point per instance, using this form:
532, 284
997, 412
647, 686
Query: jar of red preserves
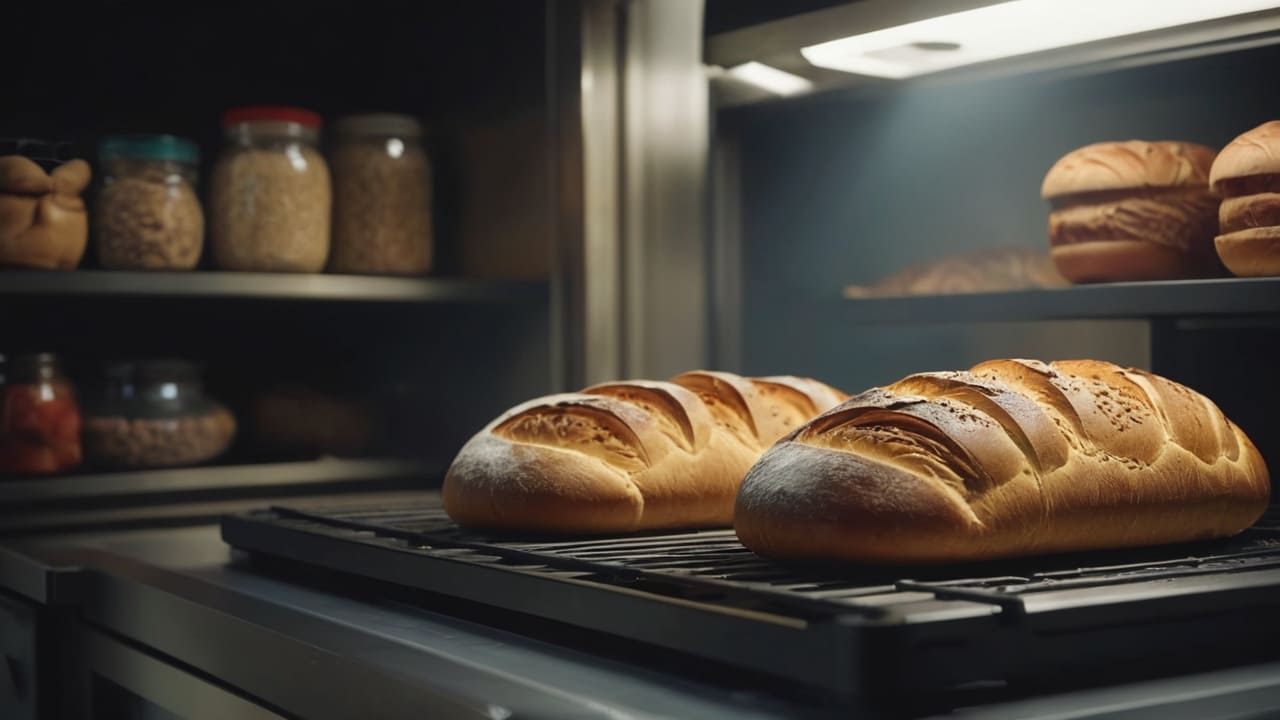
39, 418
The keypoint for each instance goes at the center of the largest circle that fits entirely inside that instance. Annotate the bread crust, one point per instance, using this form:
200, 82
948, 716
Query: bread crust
1125, 260
1131, 165
1254, 252
1255, 152
1010, 458
626, 456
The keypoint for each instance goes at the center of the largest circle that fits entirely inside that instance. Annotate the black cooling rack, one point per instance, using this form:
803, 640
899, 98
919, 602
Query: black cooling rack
847, 631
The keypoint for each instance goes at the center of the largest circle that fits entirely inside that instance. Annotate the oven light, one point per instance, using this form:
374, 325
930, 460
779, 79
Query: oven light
1009, 29
778, 82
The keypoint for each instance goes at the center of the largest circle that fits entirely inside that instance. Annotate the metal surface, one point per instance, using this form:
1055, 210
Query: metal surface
792, 33
40, 581
180, 598
339, 649
264, 286
195, 510
665, 150
18, 668
630, 112
1228, 694
23, 494
600, 82
704, 594
1182, 298
778, 43
164, 684
726, 253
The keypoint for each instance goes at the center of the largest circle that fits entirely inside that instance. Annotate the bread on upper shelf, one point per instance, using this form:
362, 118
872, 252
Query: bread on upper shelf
1132, 211
1012, 457
1247, 176
987, 270
627, 456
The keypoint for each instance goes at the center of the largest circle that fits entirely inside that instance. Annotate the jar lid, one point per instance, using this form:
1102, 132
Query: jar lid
30, 366
406, 126
157, 370
149, 147
271, 113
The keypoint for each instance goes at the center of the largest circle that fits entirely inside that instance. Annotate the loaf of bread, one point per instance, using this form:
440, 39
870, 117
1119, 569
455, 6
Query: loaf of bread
1247, 175
1013, 457
627, 456
1132, 211
987, 270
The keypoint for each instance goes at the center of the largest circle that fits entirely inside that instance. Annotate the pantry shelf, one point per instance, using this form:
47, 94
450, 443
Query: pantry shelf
1133, 300
264, 286
30, 493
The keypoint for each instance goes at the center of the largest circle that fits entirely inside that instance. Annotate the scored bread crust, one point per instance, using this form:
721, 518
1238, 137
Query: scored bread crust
1255, 152
626, 456
1128, 165
1013, 457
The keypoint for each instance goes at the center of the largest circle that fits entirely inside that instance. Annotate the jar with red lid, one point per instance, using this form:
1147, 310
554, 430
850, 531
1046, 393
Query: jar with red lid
269, 196
39, 418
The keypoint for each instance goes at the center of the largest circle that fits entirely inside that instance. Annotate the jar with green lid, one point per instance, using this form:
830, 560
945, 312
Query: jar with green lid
148, 215
381, 196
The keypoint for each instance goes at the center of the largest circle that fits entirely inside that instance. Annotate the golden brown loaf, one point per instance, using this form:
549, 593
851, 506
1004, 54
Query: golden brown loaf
1132, 211
1247, 175
627, 456
1013, 457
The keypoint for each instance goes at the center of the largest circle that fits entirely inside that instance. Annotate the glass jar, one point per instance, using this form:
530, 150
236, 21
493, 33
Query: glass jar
381, 196
155, 414
39, 418
148, 215
269, 196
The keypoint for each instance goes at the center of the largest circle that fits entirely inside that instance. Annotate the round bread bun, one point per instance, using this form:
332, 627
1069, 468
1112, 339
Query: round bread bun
1124, 260
1256, 152
1251, 253
1127, 166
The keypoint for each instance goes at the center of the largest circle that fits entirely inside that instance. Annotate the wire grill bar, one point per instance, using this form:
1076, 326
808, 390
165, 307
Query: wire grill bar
713, 561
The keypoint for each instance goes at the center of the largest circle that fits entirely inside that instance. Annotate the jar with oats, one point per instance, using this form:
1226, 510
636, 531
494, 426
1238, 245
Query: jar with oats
269, 197
381, 196
148, 216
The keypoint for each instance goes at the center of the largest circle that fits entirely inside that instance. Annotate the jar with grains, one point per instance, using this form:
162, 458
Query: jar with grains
148, 216
39, 418
155, 414
270, 198
381, 196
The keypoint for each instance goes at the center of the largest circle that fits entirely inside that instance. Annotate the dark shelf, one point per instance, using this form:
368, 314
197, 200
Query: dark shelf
1138, 300
28, 493
263, 286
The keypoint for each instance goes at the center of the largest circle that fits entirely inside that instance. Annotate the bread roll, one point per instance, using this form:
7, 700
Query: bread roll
1247, 174
1013, 457
1132, 211
627, 456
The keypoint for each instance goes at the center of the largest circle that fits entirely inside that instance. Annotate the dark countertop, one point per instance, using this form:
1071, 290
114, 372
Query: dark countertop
336, 651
